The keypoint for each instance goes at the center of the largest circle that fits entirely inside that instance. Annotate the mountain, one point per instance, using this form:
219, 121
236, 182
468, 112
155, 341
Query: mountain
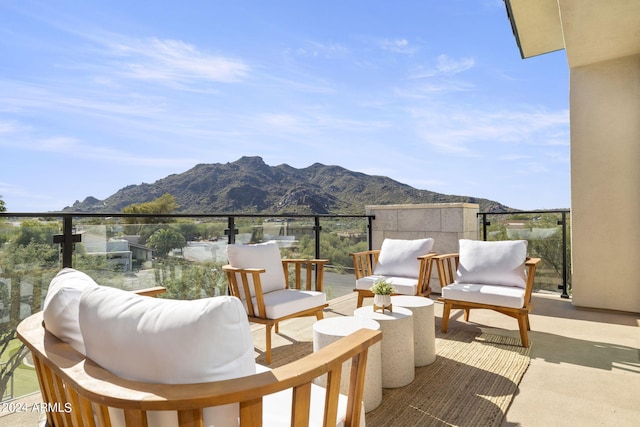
248, 185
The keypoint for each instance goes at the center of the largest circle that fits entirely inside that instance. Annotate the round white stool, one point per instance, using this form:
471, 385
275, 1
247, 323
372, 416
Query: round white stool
331, 329
397, 344
424, 328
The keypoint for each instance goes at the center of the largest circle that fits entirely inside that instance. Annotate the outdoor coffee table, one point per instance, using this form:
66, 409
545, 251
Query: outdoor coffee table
424, 328
331, 329
397, 344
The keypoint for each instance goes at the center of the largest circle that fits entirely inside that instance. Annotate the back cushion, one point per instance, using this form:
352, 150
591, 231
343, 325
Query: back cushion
492, 263
168, 341
262, 255
60, 310
400, 257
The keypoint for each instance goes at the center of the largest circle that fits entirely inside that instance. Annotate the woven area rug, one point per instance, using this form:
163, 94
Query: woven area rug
471, 383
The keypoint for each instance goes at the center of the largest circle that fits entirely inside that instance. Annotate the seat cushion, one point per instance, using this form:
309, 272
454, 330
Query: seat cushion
262, 255
288, 301
168, 341
60, 308
503, 296
492, 263
400, 257
403, 285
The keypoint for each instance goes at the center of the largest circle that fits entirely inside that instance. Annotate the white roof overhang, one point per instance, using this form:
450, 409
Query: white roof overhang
590, 31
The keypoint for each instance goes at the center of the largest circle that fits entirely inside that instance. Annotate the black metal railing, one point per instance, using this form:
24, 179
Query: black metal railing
553, 249
34, 246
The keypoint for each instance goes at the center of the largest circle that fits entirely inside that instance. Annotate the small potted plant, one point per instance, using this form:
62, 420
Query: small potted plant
382, 291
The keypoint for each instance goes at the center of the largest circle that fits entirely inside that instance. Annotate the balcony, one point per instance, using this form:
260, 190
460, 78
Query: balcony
584, 364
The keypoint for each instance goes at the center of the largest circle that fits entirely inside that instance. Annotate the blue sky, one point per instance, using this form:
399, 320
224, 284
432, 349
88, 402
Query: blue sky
95, 96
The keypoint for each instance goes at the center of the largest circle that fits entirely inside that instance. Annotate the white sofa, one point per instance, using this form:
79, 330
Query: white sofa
144, 341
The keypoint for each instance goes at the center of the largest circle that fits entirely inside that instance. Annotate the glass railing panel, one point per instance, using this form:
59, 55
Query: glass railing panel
544, 233
185, 255
339, 238
28, 261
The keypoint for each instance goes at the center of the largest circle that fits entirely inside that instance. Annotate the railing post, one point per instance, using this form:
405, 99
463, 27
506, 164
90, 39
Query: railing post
565, 294
485, 223
370, 230
231, 231
66, 241
316, 229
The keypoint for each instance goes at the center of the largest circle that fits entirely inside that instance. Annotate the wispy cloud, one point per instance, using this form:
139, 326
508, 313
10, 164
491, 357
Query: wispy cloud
461, 132
319, 49
444, 66
402, 46
175, 61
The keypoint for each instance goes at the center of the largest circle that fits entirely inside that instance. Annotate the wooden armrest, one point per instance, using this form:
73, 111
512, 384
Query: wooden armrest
151, 292
532, 261
370, 252
242, 270
305, 261
445, 256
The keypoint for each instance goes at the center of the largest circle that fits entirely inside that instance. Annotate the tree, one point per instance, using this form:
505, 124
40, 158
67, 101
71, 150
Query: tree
166, 239
3, 207
186, 281
29, 260
164, 204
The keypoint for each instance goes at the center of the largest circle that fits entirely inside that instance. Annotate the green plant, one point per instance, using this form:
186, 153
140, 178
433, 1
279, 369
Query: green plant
382, 287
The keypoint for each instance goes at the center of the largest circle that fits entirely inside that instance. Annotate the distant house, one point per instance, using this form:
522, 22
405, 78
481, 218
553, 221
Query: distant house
122, 253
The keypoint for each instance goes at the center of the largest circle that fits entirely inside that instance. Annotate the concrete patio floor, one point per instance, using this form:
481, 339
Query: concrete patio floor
585, 364
584, 371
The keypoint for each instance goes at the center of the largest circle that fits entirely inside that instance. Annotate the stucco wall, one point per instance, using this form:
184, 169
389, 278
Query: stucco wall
446, 223
605, 174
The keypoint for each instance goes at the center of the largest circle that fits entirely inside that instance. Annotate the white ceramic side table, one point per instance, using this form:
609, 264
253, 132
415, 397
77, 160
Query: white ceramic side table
331, 329
397, 344
424, 328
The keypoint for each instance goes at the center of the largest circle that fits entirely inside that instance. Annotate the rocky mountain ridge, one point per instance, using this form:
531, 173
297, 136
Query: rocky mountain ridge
248, 185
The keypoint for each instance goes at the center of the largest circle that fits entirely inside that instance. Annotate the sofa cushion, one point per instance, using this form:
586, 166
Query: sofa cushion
262, 255
288, 301
403, 285
168, 341
400, 257
492, 263
503, 296
60, 308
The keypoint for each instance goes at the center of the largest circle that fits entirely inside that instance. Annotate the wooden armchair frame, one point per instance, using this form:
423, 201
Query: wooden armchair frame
238, 278
447, 267
365, 262
82, 391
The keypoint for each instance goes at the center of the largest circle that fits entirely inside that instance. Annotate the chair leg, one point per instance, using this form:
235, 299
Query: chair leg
522, 324
320, 315
277, 328
360, 300
467, 311
446, 311
268, 343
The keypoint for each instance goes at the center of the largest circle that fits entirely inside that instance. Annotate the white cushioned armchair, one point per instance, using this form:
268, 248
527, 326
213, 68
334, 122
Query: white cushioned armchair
405, 264
495, 275
259, 271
